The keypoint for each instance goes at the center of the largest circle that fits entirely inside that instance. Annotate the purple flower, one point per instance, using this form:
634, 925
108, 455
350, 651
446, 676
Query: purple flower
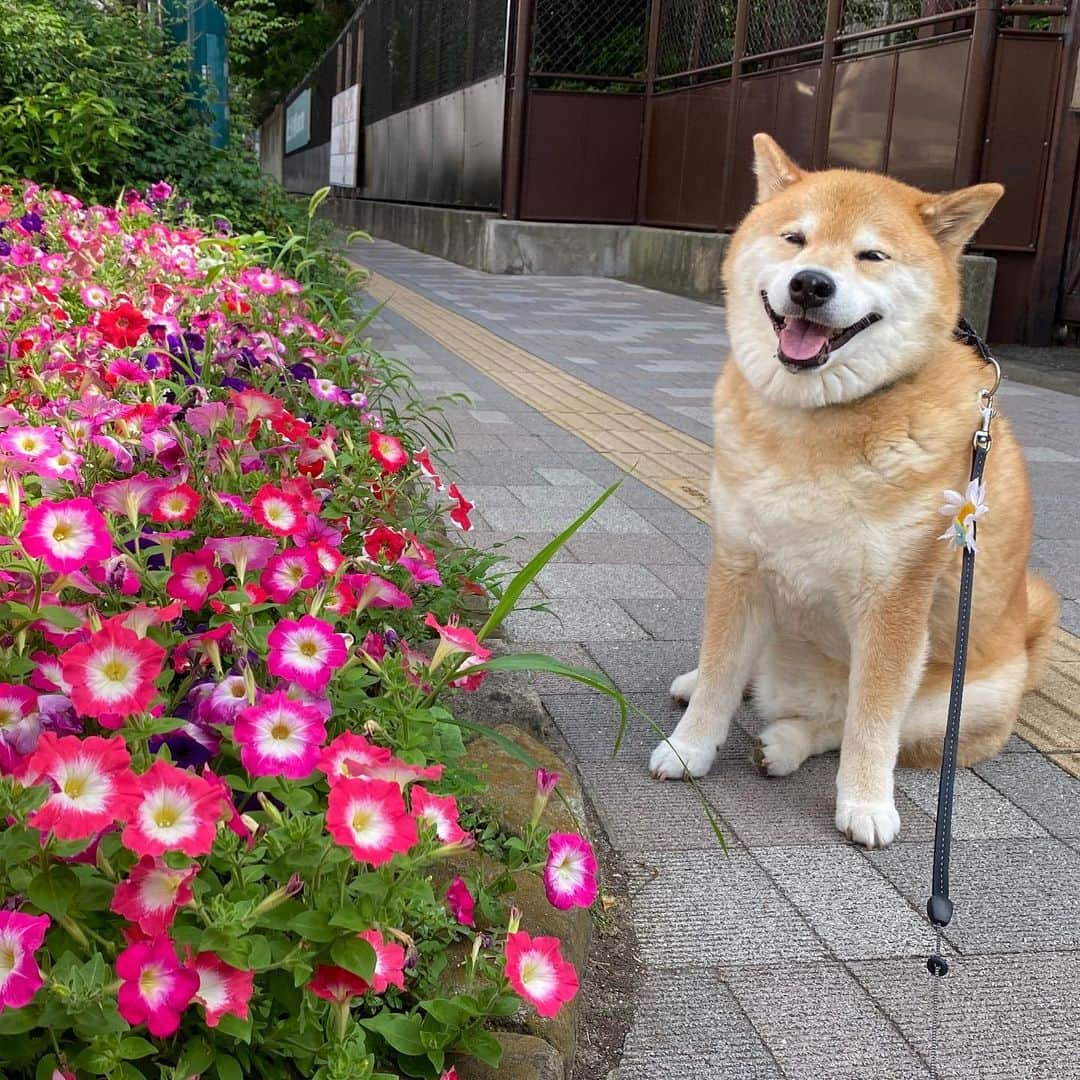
32, 222
160, 191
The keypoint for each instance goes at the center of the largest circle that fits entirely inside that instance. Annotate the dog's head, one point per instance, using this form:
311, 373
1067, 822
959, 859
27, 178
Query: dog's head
839, 282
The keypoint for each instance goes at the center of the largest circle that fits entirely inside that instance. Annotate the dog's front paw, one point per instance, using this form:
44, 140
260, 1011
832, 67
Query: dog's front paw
674, 758
872, 824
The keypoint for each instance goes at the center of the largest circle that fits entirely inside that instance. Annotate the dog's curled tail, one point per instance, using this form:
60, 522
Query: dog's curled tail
1042, 617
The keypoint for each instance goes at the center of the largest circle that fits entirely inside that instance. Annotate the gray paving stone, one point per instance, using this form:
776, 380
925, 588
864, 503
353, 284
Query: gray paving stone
590, 725
979, 812
690, 1027
668, 620
573, 655
617, 580
516, 548
568, 478
1049, 794
818, 1022
704, 907
851, 907
648, 549
573, 620
642, 814
649, 665
687, 580
555, 518
1010, 895
1002, 1017
796, 809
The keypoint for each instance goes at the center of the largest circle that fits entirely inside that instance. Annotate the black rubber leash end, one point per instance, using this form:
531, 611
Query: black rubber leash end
939, 910
937, 965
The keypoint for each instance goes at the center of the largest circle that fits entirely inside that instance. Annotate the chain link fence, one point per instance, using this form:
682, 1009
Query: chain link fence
784, 24
695, 34
602, 39
871, 14
416, 50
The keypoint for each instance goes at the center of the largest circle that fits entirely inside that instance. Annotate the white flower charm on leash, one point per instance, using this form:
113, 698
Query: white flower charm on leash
964, 509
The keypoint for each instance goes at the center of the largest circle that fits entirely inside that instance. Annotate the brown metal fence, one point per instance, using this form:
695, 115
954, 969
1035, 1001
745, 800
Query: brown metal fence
642, 111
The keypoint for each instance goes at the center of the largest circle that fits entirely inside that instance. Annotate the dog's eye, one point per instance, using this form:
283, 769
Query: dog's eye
795, 238
873, 256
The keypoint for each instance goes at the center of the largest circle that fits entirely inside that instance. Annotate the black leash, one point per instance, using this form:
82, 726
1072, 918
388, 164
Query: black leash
939, 908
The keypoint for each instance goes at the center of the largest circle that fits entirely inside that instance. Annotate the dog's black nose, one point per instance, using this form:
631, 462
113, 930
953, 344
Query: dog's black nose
811, 288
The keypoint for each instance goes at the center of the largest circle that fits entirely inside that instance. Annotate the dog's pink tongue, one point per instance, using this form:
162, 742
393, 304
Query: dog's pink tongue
801, 339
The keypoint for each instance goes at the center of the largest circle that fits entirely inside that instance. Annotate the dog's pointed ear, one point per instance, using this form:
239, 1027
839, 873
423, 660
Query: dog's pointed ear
954, 217
773, 168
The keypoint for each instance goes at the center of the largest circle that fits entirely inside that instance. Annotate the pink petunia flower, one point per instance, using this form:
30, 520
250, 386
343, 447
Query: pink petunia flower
30, 443
19, 721
66, 535
243, 552
176, 504
20, 937
422, 457
93, 786
306, 652
374, 591
351, 756
387, 451
389, 962
113, 673
195, 578
152, 894
289, 572
132, 496
175, 811
223, 989
95, 296
570, 872
461, 903
459, 515
335, 984
538, 973
455, 640
155, 988
278, 511
279, 737
369, 818
440, 811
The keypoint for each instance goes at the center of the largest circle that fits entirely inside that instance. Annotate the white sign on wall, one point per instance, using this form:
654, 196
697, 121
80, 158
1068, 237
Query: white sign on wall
345, 137
298, 122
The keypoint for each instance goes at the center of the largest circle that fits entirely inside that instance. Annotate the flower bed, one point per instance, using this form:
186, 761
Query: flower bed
227, 623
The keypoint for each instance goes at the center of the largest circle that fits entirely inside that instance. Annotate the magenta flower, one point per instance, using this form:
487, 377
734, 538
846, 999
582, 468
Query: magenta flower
377, 592
194, 578
570, 873
66, 535
152, 894
461, 903
306, 652
279, 737
156, 989
243, 552
20, 978
440, 811
537, 971
131, 496
546, 781
223, 989
289, 572
30, 443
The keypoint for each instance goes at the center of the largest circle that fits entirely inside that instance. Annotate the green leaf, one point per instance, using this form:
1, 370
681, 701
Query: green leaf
196, 1057
482, 1044
133, 1048
237, 1028
523, 578
401, 1032
355, 955
228, 1068
18, 1021
53, 890
61, 617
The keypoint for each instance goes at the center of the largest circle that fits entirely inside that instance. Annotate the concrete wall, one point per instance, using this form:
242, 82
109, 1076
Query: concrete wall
272, 143
671, 260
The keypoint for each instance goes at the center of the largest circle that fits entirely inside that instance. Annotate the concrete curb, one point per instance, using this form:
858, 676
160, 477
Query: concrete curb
678, 261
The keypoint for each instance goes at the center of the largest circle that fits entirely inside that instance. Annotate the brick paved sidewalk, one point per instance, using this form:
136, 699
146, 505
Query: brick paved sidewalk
798, 955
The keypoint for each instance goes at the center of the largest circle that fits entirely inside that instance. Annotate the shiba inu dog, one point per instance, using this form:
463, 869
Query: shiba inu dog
845, 412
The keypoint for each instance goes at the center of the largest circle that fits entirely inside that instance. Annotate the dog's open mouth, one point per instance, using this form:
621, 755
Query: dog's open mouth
805, 344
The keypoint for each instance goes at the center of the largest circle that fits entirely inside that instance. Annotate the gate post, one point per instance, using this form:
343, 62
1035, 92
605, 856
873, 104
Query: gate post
823, 116
742, 13
980, 73
514, 133
646, 125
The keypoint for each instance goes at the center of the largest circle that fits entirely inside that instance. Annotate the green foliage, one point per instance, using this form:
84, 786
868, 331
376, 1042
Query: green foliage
96, 98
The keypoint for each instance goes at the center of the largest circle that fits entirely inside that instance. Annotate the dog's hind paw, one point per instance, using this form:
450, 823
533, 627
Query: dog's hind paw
872, 824
682, 688
673, 759
782, 748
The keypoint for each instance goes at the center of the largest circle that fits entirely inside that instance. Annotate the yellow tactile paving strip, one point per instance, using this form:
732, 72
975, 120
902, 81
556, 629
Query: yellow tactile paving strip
667, 460
678, 466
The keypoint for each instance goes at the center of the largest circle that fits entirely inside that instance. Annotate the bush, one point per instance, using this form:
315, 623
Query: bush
226, 770
96, 98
